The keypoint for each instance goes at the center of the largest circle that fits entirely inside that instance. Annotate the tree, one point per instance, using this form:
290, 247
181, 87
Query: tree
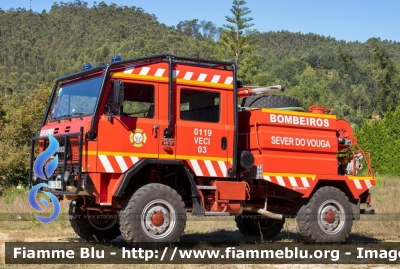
237, 40
311, 89
386, 77
20, 116
381, 139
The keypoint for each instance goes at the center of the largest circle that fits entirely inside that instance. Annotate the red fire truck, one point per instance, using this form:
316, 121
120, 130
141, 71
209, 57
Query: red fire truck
144, 141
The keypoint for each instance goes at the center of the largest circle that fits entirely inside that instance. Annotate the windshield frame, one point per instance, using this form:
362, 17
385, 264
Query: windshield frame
62, 89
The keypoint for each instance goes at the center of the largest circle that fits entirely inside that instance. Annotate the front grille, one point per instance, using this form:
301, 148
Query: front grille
69, 159
68, 153
70, 168
69, 145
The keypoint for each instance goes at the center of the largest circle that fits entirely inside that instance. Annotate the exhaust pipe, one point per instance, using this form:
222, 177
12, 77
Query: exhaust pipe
263, 212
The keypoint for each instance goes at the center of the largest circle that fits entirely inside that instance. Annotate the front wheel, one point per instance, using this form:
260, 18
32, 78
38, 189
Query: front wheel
327, 217
91, 225
154, 213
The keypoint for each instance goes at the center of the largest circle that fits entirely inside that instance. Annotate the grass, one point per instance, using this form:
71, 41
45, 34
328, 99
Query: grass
18, 224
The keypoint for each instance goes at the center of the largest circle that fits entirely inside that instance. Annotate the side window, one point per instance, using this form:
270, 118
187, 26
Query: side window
198, 105
138, 100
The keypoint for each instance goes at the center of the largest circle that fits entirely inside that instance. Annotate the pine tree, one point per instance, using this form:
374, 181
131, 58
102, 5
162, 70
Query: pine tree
237, 40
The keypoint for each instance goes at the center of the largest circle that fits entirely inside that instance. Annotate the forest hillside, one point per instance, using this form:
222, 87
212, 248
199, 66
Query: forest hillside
360, 81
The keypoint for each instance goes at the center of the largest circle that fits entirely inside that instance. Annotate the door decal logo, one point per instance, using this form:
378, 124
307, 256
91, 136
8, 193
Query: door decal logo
138, 138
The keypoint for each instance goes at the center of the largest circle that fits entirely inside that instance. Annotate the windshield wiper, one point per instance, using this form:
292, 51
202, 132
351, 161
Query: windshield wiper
68, 116
80, 114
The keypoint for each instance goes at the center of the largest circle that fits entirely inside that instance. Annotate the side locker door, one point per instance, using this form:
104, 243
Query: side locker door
129, 136
203, 130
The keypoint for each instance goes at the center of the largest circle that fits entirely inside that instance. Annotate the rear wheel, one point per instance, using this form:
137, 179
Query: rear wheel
254, 224
91, 225
154, 213
327, 217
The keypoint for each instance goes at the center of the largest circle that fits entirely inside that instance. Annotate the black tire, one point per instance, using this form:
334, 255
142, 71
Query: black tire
139, 211
270, 101
313, 221
92, 226
250, 224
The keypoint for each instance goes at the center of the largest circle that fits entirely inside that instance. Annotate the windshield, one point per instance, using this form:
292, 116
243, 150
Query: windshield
76, 99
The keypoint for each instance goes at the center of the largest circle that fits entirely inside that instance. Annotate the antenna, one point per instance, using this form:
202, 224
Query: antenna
30, 5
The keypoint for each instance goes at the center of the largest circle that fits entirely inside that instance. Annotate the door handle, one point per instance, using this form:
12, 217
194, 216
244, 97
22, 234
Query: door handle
223, 143
155, 128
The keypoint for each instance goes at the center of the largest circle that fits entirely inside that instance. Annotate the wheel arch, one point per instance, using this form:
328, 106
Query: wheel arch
186, 175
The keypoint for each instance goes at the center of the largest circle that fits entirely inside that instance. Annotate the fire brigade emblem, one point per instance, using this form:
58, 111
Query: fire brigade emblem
138, 138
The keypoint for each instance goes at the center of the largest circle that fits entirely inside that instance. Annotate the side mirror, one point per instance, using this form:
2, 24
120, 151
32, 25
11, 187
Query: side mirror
118, 91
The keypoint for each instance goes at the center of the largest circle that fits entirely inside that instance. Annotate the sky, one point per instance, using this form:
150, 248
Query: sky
349, 20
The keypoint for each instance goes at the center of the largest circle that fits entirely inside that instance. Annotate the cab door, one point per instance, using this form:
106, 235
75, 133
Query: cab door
130, 133
203, 130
